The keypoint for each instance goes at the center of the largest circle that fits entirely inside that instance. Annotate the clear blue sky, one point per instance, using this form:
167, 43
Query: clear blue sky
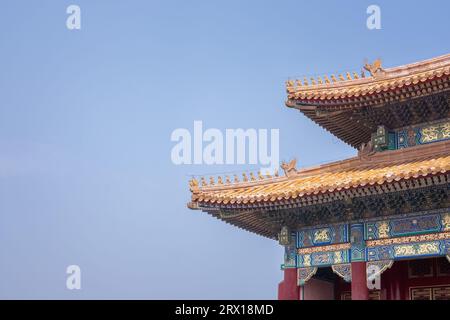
86, 116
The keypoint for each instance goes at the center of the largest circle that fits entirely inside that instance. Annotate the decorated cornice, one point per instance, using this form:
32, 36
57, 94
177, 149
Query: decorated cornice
329, 248
409, 239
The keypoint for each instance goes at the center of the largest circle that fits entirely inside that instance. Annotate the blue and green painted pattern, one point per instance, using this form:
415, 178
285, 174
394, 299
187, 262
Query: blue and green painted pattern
358, 248
404, 226
357, 234
323, 259
410, 250
422, 134
323, 236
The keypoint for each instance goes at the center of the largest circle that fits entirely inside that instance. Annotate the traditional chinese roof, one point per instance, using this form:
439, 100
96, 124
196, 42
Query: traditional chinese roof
377, 169
351, 106
242, 202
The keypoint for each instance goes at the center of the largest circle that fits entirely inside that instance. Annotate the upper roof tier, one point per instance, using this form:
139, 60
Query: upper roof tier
351, 106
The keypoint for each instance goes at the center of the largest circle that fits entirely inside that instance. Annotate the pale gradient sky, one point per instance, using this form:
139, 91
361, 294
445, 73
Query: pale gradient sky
86, 117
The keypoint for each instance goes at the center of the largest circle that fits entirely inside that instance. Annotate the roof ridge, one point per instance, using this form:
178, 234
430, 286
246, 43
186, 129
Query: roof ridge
377, 74
357, 163
314, 186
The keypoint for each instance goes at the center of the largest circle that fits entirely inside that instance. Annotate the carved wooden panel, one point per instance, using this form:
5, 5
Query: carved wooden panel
430, 293
421, 294
373, 295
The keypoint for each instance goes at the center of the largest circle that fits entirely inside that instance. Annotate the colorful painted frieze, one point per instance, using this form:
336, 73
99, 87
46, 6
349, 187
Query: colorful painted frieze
429, 245
430, 223
423, 134
393, 239
322, 236
358, 246
317, 259
290, 257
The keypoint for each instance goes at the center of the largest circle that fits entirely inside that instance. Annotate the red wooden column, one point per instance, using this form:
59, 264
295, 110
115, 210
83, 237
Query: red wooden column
359, 281
288, 288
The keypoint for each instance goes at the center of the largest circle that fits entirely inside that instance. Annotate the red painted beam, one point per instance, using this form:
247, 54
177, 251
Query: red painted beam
288, 288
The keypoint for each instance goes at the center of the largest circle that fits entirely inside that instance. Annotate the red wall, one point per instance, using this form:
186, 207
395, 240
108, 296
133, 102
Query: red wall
395, 282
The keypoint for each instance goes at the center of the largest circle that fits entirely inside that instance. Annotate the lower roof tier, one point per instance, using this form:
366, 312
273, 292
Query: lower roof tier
250, 204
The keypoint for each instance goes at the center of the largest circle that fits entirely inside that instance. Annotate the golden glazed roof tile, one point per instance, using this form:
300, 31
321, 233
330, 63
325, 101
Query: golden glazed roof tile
381, 80
380, 168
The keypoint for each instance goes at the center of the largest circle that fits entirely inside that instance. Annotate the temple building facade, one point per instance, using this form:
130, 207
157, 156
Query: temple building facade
375, 226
